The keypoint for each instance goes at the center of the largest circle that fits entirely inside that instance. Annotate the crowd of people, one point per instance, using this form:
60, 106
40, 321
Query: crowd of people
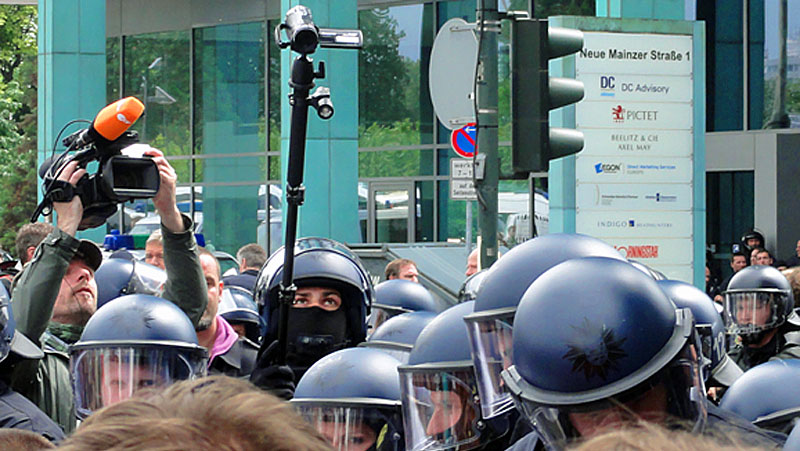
561, 343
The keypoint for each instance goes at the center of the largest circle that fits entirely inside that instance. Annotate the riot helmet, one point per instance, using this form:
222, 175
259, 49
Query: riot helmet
238, 308
397, 296
710, 327
119, 276
10, 339
757, 397
132, 343
606, 352
490, 326
793, 442
758, 299
751, 240
352, 398
315, 332
398, 334
440, 406
469, 289
652, 272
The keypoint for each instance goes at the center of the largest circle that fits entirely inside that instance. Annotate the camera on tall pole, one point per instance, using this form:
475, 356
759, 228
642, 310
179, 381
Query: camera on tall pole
303, 37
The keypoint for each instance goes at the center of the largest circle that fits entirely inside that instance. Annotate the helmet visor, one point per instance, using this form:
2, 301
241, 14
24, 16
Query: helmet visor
490, 340
675, 396
750, 312
355, 428
107, 375
147, 279
439, 409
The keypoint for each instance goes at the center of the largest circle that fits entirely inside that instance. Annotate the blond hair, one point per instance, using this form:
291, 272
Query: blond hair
217, 412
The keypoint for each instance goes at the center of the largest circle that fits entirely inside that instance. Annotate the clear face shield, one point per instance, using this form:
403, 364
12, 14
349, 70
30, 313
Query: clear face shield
751, 312
440, 408
491, 341
354, 427
103, 376
146, 279
674, 397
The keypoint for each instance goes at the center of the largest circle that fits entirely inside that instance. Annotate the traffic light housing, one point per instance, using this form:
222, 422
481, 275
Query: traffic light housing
534, 93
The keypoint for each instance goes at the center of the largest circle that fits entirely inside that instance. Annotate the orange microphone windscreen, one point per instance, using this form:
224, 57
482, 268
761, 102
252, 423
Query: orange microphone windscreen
113, 120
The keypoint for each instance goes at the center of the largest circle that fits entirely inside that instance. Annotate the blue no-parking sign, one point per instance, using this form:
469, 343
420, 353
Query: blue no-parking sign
463, 140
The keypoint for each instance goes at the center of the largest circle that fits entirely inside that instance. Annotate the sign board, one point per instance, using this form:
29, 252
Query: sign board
451, 73
463, 142
461, 186
634, 180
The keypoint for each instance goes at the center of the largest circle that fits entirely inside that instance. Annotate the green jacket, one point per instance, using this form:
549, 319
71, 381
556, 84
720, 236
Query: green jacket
47, 382
784, 345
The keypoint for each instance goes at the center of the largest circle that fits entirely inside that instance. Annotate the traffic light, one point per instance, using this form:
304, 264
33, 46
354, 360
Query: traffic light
534, 94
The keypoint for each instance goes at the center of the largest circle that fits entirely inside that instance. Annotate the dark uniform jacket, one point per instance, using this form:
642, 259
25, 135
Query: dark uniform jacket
784, 345
246, 280
18, 413
47, 382
239, 361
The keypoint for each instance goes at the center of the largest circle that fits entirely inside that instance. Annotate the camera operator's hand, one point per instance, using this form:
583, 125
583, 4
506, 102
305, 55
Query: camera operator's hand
164, 200
69, 214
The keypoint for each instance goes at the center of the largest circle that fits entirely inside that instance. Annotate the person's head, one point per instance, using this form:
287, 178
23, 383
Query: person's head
402, 268
251, 256
397, 335
710, 328
28, 237
619, 352
797, 248
738, 261
240, 311
393, 297
753, 253
216, 412
763, 257
758, 300
154, 249
359, 409
333, 295
793, 276
472, 262
120, 276
438, 386
497, 299
76, 301
132, 343
214, 285
644, 436
755, 398
752, 239
23, 440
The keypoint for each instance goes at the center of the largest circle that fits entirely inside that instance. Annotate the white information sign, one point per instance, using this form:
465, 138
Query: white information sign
624, 169
461, 186
634, 179
636, 143
664, 198
635, 224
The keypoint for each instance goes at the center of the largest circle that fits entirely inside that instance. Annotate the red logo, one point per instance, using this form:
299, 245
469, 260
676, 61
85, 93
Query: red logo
617, 113
644, 251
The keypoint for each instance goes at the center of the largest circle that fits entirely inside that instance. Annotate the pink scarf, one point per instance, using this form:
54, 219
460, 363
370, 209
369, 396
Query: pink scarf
225, 339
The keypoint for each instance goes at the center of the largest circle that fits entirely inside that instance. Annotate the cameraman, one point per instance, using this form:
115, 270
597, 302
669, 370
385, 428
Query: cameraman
56, 293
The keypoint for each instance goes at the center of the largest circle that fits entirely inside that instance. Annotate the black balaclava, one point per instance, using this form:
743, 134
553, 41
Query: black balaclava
314, 333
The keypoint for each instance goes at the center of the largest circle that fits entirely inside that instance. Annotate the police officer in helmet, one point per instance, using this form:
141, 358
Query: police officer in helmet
759, 310
606, 353
334, 294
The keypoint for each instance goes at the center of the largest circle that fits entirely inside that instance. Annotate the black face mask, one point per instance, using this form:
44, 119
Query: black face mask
314, 333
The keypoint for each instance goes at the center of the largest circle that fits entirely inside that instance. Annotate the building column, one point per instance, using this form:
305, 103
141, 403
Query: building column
331, 162
72, 71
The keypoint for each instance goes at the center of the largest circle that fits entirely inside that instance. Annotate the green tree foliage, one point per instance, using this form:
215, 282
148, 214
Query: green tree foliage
17, 119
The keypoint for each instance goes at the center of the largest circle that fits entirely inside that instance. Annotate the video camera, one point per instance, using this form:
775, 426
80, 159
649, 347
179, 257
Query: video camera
119, 178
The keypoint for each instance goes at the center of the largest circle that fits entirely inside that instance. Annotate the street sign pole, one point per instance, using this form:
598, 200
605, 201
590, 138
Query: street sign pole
488, 25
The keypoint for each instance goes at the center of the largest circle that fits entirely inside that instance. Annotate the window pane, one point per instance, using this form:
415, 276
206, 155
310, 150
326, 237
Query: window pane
229, 93
394, 105
424, 214
112, 69
231, 169
274, 80
156, 70
269, 233
230, 216
395, 163
771, 60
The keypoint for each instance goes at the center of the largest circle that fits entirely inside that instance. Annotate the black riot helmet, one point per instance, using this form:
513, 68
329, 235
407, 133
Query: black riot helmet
314, 333
752, 239
758, 299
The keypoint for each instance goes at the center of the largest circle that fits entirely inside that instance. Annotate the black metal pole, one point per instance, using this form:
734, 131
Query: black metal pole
302, 81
